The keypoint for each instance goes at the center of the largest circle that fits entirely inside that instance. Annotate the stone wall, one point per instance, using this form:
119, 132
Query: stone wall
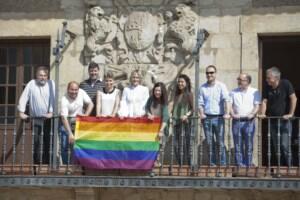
142, 194
233, 26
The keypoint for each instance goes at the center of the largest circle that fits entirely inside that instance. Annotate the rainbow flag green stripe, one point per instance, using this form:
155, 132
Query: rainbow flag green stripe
115, 145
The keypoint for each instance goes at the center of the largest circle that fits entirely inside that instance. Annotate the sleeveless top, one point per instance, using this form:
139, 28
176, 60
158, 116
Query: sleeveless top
108, 100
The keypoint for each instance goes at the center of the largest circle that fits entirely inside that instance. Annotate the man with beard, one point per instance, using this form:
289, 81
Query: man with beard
40, 94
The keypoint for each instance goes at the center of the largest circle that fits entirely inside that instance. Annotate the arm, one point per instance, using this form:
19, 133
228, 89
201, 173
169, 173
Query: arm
123, 111
117, 104
256, 103
263, 108
88, 101
145, 99
227, 108
23, 101
64, 118
227, 103
190, 106
201, 104
68, 128
89, 109
293, 103
147, 109
98, 104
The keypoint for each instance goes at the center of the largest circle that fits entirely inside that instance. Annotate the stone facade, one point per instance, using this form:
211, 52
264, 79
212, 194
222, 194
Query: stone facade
134, 32
142, 194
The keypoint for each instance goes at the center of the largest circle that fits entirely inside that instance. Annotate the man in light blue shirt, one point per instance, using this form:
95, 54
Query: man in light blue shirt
214, 107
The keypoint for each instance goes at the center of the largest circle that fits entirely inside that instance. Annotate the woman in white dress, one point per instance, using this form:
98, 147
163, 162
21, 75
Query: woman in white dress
108, 100
134, 98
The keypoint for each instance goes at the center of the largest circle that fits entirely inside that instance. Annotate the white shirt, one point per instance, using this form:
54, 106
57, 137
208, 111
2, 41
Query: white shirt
133, 101
72, 107
212, 98
108, 101
243, 102
41, 98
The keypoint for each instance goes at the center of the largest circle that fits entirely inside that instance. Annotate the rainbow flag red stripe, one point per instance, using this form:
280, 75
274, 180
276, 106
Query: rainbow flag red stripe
112, 143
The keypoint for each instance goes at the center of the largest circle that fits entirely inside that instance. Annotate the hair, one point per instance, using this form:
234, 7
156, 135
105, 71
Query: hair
212, 66
71, 83
248, 77
164, 94
274, 71
93, 65
42, 68
187, 94
188, 84
109, 74
135, 72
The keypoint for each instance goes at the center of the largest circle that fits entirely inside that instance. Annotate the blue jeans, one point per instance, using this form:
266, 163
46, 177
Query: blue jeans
66, 148
214, 133
243, 134
281, 136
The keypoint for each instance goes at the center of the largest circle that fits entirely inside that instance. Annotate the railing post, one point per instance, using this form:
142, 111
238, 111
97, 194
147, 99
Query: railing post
23, 146
278, 147
269, 146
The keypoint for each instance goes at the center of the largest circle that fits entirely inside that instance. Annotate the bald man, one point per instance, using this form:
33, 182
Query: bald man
72, 104
245, 102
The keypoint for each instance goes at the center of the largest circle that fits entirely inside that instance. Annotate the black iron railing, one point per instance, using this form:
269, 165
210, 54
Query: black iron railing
35, 147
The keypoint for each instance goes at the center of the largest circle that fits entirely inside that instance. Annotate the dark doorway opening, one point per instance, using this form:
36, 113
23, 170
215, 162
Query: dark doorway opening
284, 53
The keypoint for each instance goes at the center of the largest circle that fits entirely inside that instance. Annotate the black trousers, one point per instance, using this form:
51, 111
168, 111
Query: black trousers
41, 147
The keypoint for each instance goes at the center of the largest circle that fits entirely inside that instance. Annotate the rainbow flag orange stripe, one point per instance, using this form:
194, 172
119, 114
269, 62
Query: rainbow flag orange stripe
111, 143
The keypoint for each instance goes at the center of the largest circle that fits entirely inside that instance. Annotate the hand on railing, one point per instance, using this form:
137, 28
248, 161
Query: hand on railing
202, 116
24, 116
288, 116
48, 115
261, 116
226, 116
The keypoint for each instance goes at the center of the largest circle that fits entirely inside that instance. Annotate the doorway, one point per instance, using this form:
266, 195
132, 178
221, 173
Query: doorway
284, 53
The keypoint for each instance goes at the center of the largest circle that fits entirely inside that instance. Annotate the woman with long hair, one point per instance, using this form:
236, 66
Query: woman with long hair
182, 110
157, 106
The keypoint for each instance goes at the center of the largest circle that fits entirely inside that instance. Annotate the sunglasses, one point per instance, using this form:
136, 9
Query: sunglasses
210, 72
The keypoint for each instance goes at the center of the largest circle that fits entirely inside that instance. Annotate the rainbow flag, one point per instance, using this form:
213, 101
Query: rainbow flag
111, 143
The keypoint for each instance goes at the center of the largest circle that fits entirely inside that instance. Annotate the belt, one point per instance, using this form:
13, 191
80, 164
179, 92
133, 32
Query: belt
244, 119
209, 115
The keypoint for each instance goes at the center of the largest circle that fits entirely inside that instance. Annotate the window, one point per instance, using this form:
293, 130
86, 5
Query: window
18, 60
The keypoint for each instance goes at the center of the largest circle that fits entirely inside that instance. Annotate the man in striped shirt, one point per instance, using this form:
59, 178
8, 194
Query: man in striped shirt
92, 84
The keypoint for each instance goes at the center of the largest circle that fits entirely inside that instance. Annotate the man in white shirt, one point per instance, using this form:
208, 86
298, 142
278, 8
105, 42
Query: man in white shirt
245, 104
72, 104
41, 97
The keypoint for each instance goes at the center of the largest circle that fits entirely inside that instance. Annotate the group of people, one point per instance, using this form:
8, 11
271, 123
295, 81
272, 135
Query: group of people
94, 97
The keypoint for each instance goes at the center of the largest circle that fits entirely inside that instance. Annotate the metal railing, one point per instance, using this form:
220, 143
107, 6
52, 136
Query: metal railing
221, 147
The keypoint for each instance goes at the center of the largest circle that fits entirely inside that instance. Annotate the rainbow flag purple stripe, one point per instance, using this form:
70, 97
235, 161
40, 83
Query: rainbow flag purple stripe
111, 143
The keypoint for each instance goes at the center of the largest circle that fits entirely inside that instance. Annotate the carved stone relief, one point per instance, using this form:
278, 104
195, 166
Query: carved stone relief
160, 43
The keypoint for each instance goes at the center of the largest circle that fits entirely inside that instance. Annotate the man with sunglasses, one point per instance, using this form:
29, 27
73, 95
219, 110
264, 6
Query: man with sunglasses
245, 101
214, 107
279, 102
